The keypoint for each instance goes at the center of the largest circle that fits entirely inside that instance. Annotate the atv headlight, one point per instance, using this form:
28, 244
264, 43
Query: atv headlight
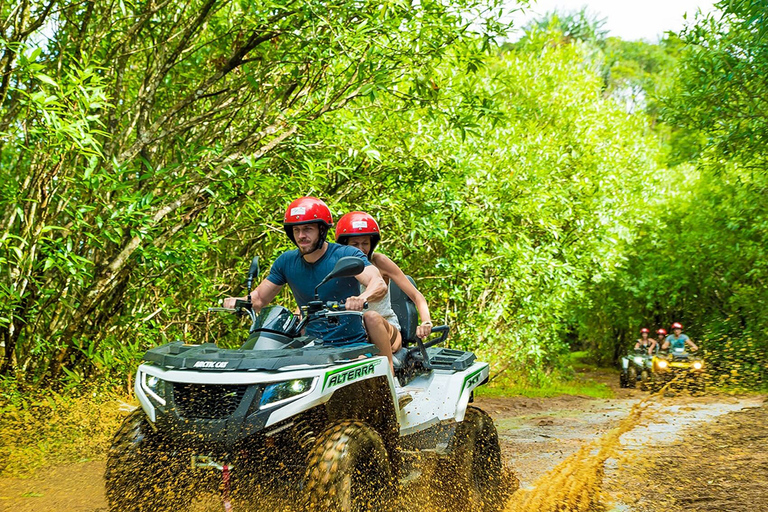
280, 392
662, 364
638, 360
698, 365
154, 387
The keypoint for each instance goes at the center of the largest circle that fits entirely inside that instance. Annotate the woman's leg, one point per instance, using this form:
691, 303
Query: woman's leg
378, 333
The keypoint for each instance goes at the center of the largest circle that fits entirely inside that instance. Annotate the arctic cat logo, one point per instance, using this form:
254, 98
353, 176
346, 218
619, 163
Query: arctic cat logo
349, 373
211, 364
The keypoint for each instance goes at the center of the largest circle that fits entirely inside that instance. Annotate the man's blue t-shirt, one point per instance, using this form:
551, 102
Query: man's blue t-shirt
302, 277
675, 342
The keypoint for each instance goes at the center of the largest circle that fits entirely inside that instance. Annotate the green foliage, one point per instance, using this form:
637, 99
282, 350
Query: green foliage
142, 153
553, 195
504, 200
702, 258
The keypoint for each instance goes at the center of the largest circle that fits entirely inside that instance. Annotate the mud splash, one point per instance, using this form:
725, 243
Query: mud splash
575, 485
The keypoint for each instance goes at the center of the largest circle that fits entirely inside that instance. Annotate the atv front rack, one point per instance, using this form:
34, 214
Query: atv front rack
209, 357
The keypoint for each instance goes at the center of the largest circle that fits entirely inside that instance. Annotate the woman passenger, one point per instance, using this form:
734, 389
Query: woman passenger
360, 230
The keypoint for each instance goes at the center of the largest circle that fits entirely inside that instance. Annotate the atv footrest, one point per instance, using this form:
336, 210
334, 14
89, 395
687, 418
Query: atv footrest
448, 359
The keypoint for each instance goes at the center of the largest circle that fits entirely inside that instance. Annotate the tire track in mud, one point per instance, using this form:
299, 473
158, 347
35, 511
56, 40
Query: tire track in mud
590, 457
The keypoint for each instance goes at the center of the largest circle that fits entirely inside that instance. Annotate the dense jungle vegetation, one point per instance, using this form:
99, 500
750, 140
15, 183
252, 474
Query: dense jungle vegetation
547, 194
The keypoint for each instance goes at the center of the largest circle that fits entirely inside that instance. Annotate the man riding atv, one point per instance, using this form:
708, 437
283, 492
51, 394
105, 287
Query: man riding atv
674, 362
678, 340
306, 223
305, 415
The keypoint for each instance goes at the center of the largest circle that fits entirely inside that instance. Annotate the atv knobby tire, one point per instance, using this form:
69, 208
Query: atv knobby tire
348, 470
631, 377
474, 477
139, 476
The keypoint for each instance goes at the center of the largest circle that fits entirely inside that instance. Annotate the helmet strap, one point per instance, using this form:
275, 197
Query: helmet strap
321, 239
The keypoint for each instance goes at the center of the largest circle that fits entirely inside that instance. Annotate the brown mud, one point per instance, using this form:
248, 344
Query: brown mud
677, 453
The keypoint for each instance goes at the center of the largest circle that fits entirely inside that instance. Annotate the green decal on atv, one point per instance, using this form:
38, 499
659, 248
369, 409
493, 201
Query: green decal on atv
349, 373
471, 379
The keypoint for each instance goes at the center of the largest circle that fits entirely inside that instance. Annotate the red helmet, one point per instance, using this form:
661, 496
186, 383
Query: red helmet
308, 210
358, 224
677, 325
644, 329
663, 332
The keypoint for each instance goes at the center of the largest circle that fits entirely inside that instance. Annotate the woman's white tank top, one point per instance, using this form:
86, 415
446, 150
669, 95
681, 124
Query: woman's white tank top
383, 307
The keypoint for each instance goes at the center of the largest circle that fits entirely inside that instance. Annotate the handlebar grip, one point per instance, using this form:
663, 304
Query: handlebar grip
341, 305
243, 304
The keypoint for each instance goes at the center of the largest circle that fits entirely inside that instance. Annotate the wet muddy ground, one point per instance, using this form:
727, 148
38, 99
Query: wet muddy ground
686, 453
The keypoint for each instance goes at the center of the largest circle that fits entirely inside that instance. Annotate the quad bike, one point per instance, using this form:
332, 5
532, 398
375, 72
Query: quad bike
685, 368
635, 366
287, 421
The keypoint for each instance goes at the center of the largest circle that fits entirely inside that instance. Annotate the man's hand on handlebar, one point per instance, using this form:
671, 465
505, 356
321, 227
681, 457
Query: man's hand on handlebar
354, 304
229, 302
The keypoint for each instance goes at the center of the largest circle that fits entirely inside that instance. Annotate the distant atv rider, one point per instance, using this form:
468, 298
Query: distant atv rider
359, 229
645, 342
678, 340
661, 334
306, 223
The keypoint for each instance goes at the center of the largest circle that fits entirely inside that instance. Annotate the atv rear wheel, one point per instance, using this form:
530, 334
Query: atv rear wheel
139, 477
474, 479
348, 470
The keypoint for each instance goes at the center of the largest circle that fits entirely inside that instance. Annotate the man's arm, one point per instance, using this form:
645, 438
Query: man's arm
375, 288
693, 345
665, 345
260, 296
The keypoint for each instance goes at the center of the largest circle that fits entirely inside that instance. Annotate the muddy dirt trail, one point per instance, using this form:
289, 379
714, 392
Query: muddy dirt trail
706, 446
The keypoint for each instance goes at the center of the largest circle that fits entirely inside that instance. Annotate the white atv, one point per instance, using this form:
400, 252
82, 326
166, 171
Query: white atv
288, 422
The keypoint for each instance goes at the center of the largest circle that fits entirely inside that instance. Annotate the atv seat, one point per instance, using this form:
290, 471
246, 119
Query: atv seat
430, 356
405, 309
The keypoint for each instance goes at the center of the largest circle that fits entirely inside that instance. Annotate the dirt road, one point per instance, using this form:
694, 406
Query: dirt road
711, 444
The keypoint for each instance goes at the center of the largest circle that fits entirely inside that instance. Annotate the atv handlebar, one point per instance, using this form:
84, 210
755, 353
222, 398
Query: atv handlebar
443, 329
421, 347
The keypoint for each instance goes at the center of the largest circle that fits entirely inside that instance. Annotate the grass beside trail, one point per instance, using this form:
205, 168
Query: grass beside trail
575, 387
556, 384
41, 427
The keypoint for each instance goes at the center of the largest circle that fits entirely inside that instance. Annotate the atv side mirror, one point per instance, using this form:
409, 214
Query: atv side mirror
253, 272
347, 266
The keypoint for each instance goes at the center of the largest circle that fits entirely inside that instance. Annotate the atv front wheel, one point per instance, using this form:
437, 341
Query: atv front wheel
631, 377
645, 377
349, 471
139, 476
474, 478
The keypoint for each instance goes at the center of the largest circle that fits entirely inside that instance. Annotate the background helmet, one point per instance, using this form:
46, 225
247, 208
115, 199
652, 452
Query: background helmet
677, 325
308, 210
358, 224
663, 332
644, 330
